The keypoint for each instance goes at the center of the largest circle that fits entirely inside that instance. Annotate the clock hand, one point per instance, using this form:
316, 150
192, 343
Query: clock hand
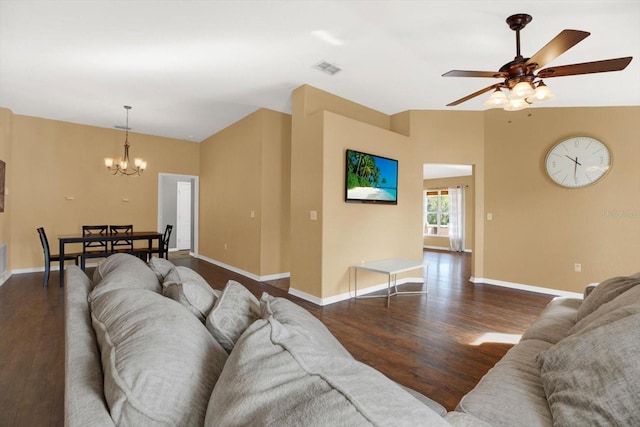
573, 160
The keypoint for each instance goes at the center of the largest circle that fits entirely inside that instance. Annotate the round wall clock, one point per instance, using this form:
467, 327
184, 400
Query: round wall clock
578, 161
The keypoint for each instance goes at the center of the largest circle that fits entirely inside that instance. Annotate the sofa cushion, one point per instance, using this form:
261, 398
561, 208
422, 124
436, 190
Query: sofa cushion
511, 393
554, 322
275, 376
462, 419
123, 271
593, 378
160, 364
232, 313
606, 291
629, 297
160, 267
184, 285
298, 319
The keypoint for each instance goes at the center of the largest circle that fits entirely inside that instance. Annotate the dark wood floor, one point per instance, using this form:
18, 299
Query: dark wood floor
440, 345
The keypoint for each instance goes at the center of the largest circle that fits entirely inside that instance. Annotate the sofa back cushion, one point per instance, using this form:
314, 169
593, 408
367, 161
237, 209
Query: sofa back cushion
276, 377
300, 320
160, 364
629, 298
606, 291
233, 312
123, 271
160, 267
186, 286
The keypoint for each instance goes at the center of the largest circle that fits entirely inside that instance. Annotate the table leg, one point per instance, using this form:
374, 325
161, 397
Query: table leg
388, 289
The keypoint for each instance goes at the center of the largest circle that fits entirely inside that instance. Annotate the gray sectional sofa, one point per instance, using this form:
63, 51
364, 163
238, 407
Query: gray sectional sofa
156, 345
577, 365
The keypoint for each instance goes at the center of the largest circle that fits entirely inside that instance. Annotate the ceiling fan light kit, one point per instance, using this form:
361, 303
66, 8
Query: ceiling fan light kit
519, 76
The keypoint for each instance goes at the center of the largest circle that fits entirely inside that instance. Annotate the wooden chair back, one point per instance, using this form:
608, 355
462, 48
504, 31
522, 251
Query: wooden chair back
97, 245
121, 245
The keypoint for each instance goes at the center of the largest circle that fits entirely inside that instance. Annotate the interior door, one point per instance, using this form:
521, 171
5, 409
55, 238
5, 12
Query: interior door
183, 217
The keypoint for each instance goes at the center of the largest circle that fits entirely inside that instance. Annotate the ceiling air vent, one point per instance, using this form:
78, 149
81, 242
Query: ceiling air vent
328, 68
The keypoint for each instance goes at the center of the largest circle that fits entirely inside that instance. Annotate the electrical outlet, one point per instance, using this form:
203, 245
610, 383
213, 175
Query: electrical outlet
225, 246
577, 267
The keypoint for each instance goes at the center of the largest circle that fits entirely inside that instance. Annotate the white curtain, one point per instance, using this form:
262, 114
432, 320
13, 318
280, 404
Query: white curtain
456, 218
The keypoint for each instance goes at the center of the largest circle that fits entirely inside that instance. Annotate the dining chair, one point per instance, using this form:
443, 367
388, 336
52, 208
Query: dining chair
94, 248
48, 257
164, 244
121, 245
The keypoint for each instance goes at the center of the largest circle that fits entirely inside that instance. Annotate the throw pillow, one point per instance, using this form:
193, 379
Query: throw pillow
300, 320
160, 364
123, 271
233, 312
606, 291
594, 378
160, 267
191, 290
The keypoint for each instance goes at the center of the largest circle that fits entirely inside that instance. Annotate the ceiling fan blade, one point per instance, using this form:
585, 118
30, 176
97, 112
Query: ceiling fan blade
473, 95
603, 66
463, 73
556, 47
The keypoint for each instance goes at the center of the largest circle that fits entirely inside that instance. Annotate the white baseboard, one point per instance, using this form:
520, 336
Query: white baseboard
252, 276
443, 248
529, 288
348, 295
41, 269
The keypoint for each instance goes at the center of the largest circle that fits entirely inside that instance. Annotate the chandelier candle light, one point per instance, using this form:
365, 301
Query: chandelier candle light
121, 165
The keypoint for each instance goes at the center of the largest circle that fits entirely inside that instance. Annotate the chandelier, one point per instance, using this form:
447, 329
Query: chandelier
521, 95
121, 165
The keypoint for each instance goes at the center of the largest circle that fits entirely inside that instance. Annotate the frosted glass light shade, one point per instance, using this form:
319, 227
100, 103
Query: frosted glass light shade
522, 90
516, 104
542, 94
497, 99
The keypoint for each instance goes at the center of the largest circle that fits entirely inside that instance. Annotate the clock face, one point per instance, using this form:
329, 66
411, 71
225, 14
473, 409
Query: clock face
577, 162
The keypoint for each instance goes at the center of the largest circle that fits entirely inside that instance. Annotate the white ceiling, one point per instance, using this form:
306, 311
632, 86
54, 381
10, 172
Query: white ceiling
441, 170
191, 68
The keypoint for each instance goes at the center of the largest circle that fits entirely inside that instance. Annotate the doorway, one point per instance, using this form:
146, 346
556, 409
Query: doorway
183, 215
178, 206
438, 181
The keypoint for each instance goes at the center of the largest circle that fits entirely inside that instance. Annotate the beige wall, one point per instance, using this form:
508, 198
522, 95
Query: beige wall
454, 137
53, 162
244, 170
469, 209
539, 230
345, 233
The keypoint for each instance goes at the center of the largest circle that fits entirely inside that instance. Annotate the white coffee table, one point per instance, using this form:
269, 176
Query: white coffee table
391, 267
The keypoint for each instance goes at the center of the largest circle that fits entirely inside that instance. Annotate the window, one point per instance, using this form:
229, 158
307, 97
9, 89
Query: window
435, 215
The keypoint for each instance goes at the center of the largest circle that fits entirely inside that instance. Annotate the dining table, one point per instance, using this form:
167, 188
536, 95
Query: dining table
149, 236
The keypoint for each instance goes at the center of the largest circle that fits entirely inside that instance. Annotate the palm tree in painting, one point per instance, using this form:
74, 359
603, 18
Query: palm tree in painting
362, 170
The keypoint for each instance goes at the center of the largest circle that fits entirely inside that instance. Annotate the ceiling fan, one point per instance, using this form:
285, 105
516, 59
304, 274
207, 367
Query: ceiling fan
523, 77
